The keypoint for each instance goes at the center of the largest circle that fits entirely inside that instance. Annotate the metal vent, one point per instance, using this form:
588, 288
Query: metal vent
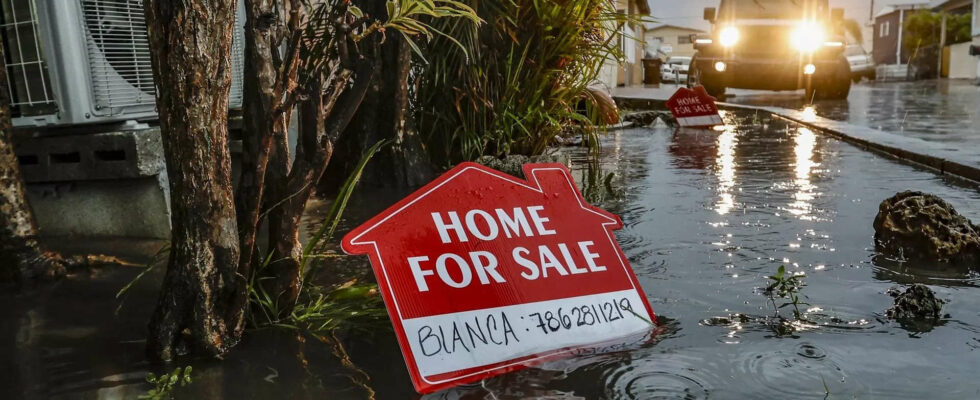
119, 54
237, 57
30, 86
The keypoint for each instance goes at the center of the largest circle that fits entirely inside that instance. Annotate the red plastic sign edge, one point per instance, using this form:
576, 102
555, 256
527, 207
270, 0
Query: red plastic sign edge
478, 373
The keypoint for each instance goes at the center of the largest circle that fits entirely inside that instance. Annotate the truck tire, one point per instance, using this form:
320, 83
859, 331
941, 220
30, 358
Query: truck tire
835, 86
695, 78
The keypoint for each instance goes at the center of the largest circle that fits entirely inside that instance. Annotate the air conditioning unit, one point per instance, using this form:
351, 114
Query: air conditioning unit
74, 62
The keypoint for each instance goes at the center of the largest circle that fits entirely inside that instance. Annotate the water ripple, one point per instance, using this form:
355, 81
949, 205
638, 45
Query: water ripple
786, 374
662, 376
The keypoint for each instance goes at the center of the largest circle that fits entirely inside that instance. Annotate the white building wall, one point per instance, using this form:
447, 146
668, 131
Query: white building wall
976, 31
976, 19
961, 64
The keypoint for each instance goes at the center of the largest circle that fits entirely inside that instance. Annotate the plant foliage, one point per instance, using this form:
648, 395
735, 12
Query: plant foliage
512, 84
164, 384
324, 33
320, 310
924, 28
407, 17
786, 286
320, 57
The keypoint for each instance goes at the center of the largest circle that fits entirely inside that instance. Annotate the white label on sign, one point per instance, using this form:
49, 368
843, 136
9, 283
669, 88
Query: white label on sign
667, 48
703, 120
457, 341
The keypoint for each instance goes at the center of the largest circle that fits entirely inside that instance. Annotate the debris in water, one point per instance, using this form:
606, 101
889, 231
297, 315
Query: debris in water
917, 303
922, 226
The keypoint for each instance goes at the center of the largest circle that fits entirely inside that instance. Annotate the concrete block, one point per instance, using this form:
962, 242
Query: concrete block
98, 184
132, 207
90, 156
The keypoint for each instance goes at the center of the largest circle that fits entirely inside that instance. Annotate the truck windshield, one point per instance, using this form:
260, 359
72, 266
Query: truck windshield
780, 9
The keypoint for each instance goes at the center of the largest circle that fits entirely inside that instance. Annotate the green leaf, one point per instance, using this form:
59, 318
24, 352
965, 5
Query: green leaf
356, 12
352, 292
392, 14
415, 48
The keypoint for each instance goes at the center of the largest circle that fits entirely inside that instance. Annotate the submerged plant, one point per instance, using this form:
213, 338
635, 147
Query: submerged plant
159, 258
783, 289
323, 311
787, 287
320, 310
164, 384
597, 185
356, 308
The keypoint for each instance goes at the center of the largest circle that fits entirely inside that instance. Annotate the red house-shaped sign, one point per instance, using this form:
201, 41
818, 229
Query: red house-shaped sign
694, 107
484, 273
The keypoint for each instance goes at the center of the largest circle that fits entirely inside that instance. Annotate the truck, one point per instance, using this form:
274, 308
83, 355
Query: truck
773, 45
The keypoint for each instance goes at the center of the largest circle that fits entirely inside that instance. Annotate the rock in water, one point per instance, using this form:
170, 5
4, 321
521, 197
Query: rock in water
917, 303
641, 118
647, 118
514, 164
511, 164
921, 226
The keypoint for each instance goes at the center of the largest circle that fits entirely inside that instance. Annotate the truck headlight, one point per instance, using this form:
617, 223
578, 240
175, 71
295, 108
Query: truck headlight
807, 37
728, 36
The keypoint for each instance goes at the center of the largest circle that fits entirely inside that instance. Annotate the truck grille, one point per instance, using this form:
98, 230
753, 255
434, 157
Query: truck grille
760, 41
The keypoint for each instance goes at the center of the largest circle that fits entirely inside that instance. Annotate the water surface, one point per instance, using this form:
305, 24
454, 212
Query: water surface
945, 112
708, 215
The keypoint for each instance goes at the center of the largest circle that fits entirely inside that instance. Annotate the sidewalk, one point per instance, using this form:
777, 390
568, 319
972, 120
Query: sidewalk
936, 123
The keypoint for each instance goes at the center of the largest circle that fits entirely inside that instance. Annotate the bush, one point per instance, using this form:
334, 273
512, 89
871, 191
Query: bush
512, 84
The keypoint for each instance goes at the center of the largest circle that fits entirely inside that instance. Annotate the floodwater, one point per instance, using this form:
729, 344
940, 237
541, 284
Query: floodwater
708, 215
942, 111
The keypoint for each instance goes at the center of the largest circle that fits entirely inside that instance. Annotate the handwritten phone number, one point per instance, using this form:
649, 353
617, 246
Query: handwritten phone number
585, 315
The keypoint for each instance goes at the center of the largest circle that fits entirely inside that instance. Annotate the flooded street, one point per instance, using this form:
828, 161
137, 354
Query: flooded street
708, 215
945, 112
711, 214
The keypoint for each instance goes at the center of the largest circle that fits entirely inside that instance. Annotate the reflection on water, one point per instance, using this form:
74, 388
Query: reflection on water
805, 141
707, 214
945, 111
809, 113
725, 169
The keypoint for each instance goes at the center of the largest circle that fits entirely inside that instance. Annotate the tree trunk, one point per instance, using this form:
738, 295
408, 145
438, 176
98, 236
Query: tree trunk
382, 116
21, 257
259, 130
190, 43
270, 186
322, 120
291, 194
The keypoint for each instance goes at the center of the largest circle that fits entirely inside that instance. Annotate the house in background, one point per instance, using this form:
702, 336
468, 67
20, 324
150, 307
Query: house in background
629, 70
669, 40
956, 62
887, 42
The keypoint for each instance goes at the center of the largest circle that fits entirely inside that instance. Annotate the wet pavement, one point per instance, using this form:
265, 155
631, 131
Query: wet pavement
936, 117
708, 215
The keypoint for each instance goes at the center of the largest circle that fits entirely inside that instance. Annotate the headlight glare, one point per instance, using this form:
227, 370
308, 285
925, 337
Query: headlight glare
807, 37
728, 36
